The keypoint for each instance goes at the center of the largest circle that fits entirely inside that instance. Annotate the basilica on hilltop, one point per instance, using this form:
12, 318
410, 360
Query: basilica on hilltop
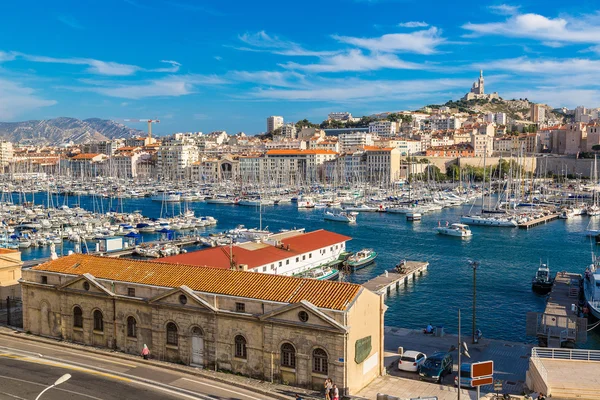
477, 91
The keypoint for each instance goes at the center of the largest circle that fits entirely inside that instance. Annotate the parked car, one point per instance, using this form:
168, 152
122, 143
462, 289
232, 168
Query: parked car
411, 360
465, 376
436, 367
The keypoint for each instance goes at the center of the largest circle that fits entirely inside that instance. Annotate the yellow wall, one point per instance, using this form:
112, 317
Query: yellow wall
10, 273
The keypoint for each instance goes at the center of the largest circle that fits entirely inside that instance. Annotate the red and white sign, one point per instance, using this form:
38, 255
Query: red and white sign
488, 380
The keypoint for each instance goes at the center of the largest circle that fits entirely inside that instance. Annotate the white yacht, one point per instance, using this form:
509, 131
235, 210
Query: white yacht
591, 288
169, 197
305, 202
459, 230
340, 217
488, 221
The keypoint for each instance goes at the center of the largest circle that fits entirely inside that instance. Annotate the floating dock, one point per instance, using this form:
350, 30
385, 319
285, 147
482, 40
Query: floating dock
560, 324
383, 283
538, 221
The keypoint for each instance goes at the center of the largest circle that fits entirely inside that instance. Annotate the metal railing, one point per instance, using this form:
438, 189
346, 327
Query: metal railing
539, 366
565, 354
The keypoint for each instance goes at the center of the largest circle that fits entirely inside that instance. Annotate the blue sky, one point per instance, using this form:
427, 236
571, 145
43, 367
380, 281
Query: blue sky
227, 65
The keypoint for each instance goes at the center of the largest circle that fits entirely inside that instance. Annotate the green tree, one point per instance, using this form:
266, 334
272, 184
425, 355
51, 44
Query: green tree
393, 117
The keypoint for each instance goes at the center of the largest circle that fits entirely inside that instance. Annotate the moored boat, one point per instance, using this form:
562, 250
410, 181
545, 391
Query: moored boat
458, 230
340, 217
361, 259
542, 282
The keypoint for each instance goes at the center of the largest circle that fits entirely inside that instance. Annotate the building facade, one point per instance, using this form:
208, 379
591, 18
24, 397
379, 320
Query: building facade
274, 122
10, 273
291, 330
383, 128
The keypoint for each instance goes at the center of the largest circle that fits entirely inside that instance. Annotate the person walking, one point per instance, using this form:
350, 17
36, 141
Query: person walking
145, 352
328, 385
336, 393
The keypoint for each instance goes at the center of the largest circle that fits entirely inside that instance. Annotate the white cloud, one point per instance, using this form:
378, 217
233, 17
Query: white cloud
271, 78
69, 21
420, 42
348, 90
354, 60
541, 67
505, 9
4, 56
535, 26
413, 24
16, 99
170, 86
99, 67
263, 42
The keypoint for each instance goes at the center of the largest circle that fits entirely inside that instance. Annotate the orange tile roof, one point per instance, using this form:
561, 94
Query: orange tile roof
85, 156
284, 152
284, 289
375, 148
300, 244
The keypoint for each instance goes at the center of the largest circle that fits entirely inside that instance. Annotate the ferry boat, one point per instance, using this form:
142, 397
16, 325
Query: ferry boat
458, 230
361, 259
542, 282
340, 217
591, 288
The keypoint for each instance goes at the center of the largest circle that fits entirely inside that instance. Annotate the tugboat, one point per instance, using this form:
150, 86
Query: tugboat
542, 282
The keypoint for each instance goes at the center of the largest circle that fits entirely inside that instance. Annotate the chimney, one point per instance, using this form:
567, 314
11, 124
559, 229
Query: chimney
243, 267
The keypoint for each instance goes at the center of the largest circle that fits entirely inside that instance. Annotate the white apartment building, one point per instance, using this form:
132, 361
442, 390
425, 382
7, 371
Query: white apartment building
383, 128
285, 144
354, 141
382, 165
289, 131
444, 140
482, 144
251, 168
581, 114
124, 164
538, 113
274, 122
496, 118
443, 122
291, 166
175, 159
6, 153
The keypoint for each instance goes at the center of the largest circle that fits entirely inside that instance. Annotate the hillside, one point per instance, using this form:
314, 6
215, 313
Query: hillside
516, 109
63, 130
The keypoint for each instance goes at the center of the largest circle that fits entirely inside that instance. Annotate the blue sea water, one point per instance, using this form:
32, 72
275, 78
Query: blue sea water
508, 259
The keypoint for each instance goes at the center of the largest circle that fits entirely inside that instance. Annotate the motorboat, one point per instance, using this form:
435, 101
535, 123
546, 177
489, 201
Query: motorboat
458, 230
340, 217
413, 216
361, 259
169, 197
305, 202
542, 282
362, 208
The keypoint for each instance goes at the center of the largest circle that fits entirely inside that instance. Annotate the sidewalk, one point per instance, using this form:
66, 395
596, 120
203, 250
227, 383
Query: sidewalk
162, 372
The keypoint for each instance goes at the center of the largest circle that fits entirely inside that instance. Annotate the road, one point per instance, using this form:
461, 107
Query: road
26, 368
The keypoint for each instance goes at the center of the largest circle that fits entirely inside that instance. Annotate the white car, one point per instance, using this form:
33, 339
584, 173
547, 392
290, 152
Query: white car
410, 361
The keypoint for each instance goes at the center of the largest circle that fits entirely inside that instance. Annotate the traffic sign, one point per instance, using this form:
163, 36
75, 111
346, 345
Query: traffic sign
486, 380
481, 369
497, 386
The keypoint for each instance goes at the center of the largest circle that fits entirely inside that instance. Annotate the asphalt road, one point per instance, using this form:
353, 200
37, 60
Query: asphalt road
27, 367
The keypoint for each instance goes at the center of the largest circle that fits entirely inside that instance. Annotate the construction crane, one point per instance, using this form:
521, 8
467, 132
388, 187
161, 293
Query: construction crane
149, 121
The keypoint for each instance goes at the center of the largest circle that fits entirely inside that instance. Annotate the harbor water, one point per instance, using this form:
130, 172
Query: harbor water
508, 258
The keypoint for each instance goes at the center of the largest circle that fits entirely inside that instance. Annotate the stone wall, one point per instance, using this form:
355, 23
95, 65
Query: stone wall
564, 165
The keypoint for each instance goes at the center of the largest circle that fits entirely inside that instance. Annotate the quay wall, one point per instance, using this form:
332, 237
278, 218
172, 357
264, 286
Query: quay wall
565, 165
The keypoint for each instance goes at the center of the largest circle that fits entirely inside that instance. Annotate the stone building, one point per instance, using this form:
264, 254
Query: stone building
10, 273
279, 328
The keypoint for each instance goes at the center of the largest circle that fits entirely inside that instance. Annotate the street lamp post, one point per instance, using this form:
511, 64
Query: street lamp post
462, 350
60, 380
475, 265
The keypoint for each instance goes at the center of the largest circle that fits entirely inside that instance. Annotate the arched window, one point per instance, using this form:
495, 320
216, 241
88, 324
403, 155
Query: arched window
240, 347
320, 361
77, 317
172, 337
131, 327
288, 355
98, 321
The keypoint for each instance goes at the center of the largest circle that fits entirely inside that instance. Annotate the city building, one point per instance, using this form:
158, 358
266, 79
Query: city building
289, 131
175, 157
456, 150
382, 165
499, 118
340, 116
270, 327
354, 141
292, 166
274, 122
383, 128
538, 113
6, 153
477, 91
10, 273
581, 114
84, 165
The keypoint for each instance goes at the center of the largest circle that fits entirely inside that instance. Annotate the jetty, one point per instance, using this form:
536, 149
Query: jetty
561, 324
538, 221
392, 278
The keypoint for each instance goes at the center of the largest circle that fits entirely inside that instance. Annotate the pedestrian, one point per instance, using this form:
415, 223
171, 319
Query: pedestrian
145, 352
298, 397
541, 396
328, 385
336, 392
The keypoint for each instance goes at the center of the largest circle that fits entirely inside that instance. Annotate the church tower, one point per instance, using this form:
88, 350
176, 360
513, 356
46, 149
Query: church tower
480, 82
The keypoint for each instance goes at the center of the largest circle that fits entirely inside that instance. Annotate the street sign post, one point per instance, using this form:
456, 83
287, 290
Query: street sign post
482, 374
497, 387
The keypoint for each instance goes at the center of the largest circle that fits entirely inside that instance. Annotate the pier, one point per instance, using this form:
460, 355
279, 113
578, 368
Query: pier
184, 241
383, 283
560, 324
538, 221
